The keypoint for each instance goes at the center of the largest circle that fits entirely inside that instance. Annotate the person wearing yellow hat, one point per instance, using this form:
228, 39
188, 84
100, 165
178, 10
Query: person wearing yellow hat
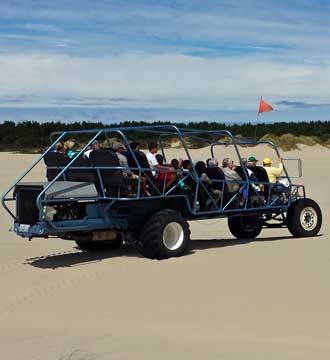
273, 172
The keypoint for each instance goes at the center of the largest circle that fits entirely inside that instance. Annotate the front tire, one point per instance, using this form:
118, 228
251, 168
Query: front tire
304, 218
166, 234
245, 227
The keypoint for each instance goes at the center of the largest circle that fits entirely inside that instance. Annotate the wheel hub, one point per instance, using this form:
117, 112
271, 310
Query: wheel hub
308, 218
173, 236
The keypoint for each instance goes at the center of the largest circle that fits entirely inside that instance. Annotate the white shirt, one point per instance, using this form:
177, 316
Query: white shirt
152, 161
249, 171
87, 153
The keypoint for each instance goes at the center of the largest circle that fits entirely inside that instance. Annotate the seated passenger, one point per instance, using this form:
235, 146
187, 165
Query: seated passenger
151, 156
94, 146
119, 149
188, 180
200, 167
233, 179
175, 163
69, 145
139, 155
214, 173
252, 160
274, 173
58, 148
168, 176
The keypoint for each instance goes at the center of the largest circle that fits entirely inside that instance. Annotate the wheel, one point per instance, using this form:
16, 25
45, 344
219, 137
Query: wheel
166, 234
304, 218
100, 245
245, 227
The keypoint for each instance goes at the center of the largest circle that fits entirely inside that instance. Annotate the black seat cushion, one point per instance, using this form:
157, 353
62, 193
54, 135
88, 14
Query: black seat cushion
86, 175
143, 163
218, 174
55, 159
110, 177
240, 172
261, 175
141, 159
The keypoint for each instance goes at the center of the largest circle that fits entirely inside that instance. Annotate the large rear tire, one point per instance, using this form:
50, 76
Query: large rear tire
166, 234
245, 227
304, 218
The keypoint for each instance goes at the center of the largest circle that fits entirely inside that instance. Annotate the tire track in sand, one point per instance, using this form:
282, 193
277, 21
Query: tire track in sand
67, 279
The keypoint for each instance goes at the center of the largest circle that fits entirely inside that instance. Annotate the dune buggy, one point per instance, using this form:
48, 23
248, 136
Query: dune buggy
86, 199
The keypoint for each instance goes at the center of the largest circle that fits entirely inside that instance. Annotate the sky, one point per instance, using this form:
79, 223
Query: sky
165, 60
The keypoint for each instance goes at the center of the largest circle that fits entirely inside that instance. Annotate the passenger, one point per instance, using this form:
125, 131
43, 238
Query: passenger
273, 172
69, 145
252, 161
188, 180
232, 178
175, 163
95, 146
151, 156
190, 183
168, 177
216, 174
213, 163
186, 164
58, 148
200, 167
135, 146
140, 155
119, 149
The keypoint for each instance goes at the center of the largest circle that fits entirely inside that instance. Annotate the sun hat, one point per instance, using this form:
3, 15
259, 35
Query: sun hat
267, 161
252, 159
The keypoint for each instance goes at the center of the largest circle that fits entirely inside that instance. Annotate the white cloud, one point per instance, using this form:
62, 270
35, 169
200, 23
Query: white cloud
163, 80
41, 27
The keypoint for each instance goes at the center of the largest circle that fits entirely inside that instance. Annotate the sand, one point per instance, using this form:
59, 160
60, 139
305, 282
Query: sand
266, 299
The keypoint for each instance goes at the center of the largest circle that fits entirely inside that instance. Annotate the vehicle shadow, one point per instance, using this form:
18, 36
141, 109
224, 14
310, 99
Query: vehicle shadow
219, 243
77, 258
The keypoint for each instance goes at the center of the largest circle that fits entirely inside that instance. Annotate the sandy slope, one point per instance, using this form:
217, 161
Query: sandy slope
267, 299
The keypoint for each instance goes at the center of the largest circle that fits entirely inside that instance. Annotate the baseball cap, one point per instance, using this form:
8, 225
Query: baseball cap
252, 159
267, 161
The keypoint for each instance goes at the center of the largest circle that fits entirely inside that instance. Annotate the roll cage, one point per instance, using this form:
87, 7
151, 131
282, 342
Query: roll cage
220, 208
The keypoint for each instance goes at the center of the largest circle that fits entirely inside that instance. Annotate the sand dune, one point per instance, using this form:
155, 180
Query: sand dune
265, 299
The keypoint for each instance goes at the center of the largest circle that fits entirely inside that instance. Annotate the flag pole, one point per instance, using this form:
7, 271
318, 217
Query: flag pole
256, 125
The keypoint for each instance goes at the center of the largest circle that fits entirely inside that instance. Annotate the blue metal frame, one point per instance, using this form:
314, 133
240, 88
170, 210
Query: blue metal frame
220, 210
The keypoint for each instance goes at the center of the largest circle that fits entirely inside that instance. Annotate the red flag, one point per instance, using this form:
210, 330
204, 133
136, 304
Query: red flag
263, 107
